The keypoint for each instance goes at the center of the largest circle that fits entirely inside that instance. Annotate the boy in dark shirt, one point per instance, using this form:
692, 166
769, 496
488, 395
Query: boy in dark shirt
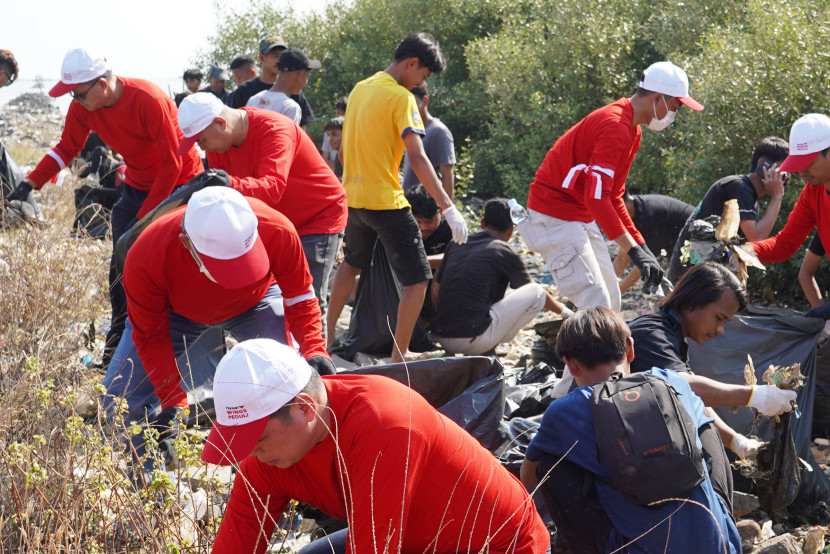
473, 315
659, 219
763, 179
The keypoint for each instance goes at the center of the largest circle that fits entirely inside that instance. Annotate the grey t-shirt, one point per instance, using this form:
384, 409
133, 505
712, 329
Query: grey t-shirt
439, 148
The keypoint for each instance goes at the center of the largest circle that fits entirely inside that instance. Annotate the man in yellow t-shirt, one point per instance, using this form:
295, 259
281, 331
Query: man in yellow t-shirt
382, 121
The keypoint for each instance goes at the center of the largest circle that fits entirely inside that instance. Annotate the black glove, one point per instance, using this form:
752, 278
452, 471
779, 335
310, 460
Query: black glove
322, 364
820, 312
93, 162
217, 178
21, 192
650, 270
169, 421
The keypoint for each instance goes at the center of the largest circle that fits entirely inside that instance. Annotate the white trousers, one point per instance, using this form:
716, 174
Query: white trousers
577, 257
509, 315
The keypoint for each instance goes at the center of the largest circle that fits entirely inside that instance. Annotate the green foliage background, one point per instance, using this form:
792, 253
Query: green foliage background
521, 72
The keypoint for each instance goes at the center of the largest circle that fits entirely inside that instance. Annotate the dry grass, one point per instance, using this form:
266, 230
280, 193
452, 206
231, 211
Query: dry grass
63, 480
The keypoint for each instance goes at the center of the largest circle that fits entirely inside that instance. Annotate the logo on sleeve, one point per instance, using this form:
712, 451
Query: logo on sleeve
416, 117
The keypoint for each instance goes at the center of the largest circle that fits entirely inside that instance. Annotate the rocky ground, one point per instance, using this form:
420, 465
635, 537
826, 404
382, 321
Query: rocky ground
30, 124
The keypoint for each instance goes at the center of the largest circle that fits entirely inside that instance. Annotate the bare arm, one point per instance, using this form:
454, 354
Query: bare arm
807, 278
448, 179
527, 474
632, 277
621, 262
715, 393
761, 229
626, 242
424, 170
435, 261
552, 304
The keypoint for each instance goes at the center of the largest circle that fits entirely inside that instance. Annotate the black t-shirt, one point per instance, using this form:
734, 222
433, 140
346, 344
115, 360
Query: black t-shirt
473, 277
659, 219
440, 238
658, 342
243, 93
738, 187
223, 95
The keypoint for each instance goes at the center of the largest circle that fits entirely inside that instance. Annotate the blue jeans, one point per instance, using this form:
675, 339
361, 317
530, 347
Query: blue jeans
198, 349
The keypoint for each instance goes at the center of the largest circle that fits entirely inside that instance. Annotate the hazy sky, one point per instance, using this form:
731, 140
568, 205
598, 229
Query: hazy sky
151, 39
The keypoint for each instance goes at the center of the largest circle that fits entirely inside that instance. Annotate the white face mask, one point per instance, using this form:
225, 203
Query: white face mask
660, 124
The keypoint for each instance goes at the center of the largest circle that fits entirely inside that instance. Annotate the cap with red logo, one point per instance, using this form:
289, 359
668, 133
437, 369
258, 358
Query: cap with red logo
253, 380
80, 65
222, 228
809, 135
196, 112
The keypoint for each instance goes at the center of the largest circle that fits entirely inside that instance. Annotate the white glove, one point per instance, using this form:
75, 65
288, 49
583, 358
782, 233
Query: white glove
745, 447
770, 400
566, 312
456, 222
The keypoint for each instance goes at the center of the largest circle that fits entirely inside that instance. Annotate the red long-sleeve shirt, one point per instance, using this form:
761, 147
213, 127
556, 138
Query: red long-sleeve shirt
161, 275
142, 127
582, 178
811, 210
279, 164
399, 472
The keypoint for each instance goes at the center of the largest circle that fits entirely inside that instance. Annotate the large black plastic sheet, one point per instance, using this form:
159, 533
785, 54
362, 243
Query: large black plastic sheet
376, 301
821, 410
778, 337
10, 173
469, 390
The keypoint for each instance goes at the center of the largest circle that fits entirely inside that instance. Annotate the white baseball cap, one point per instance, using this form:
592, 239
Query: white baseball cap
222, 228
196, 112
253, 380
667, 78
809, 135
80, 65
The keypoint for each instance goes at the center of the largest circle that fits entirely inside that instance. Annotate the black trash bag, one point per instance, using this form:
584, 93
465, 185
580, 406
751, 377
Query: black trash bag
10, 172
93, 206
517, 433
771, 336
529, 394
779, 470
701, 230
469, 390
821, 409
376, 300
179, 198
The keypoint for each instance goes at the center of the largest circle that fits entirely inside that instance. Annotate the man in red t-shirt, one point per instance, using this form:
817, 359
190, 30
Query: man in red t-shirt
809, 147
224, 262
271, 158
581, 183
136, 119
361, 448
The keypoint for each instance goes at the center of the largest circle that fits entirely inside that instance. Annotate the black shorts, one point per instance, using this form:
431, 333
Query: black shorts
398, 232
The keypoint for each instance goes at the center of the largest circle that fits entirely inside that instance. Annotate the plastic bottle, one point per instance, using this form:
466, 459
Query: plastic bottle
517, 212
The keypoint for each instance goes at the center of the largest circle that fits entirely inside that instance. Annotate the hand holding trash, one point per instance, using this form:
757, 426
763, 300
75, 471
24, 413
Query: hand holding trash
456, 223
769, 400
21, 192
650, 270
745, 447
